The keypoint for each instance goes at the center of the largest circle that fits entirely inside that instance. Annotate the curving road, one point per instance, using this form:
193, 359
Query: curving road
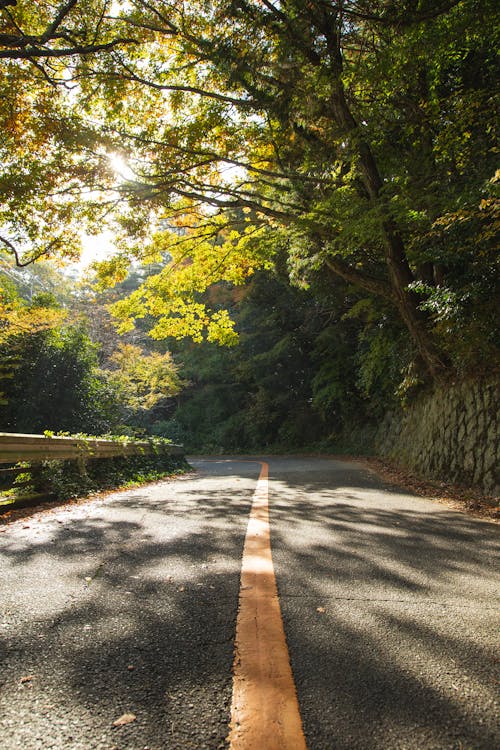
127, 605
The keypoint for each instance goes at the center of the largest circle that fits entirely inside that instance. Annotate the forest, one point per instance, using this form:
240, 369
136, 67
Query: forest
302, 199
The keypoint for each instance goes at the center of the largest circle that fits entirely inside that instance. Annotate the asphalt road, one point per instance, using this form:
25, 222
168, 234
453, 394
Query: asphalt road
127, 605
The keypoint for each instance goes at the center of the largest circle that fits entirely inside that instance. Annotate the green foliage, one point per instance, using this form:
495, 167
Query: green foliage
354, 143
75, 478
67, 479
344, 134
357, 131
54, 385
304, 371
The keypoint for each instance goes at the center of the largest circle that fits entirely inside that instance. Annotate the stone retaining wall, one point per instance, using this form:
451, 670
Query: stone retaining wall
449, 434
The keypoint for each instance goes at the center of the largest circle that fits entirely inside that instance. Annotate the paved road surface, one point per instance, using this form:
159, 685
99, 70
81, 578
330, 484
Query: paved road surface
128, 605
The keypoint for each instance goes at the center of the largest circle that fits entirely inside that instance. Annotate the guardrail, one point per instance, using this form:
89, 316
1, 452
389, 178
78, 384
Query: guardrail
16, 447
26, 480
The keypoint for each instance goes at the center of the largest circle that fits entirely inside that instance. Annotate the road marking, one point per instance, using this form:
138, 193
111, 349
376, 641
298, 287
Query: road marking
265, 712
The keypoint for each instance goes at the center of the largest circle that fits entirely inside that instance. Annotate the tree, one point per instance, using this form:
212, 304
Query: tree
53, 160
49, 370
49, 31
142, 379
54, 385
346, 133
21, 314
312, 368
350, 128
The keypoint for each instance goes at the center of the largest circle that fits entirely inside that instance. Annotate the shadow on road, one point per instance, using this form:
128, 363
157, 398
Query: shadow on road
137, 617
131, 607
401, 653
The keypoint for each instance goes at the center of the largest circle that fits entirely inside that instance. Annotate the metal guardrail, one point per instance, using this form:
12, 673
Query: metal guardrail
16, 447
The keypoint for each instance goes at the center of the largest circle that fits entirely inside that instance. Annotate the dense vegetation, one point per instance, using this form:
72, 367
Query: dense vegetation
64, 370
316, 181
62, 480
305, 373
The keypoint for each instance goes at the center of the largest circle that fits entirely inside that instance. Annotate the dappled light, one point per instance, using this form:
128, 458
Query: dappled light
263, 233
406, 597
129, 606
131, 582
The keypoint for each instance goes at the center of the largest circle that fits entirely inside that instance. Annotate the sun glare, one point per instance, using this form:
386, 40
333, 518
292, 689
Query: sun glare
94, 248
120, 167
120, 6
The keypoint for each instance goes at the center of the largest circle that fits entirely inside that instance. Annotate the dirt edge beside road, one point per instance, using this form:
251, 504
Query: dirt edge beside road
465, 499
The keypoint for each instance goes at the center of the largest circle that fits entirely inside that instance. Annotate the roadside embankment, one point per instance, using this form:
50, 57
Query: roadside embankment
450, 433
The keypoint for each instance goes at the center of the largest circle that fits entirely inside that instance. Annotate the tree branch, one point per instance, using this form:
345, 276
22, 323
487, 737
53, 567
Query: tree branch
50, 30
17, 255
34, 52
359, 278
132, 76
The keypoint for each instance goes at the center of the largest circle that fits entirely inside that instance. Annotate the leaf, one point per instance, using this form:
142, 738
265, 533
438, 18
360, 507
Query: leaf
28, 678
124, 719
320, 610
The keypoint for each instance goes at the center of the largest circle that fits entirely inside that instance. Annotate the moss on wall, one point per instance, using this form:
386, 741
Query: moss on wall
450, 433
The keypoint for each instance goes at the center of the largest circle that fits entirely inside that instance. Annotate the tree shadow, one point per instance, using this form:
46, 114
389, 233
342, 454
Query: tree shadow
401, 652
143, 605
146, 586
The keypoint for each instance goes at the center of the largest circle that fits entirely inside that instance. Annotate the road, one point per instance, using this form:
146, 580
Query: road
127, 605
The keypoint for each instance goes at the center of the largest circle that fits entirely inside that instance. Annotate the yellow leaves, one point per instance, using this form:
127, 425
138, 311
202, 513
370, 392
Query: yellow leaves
127, 311
17, 318
220, 329
209, 254
181, 319
110, 272
142, 379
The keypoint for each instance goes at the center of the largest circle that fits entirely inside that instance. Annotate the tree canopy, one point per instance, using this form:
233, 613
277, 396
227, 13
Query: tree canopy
355, 137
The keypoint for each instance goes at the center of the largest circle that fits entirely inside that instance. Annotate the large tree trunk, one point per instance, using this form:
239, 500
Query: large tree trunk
399, 271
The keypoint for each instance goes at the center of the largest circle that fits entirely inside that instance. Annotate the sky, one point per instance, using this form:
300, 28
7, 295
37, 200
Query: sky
100, 246
95, 247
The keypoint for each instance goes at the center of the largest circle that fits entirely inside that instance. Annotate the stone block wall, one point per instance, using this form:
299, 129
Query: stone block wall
450, 434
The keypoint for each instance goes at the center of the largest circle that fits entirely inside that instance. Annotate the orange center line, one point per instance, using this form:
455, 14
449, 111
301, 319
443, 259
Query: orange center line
265, 712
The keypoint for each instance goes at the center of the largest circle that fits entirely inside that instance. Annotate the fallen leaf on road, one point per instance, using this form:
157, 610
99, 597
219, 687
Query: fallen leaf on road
125, 719
28, 678
181, 588
130, 667
88, 579
320, 609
